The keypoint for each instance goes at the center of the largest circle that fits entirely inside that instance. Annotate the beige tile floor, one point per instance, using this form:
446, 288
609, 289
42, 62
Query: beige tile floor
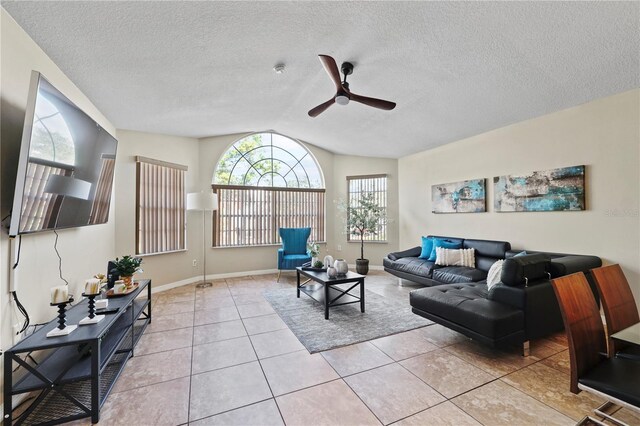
222, 356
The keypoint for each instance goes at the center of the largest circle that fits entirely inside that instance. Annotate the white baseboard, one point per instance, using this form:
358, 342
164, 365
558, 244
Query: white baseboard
198, 278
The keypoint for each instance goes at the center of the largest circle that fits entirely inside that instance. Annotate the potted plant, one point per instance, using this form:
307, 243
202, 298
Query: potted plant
364, 219
314, 250
126, 267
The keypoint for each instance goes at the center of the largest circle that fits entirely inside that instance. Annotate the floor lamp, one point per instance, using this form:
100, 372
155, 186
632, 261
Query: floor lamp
204, 202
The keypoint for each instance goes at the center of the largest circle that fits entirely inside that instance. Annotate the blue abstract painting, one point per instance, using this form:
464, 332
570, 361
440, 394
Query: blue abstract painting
467, 196
542, 191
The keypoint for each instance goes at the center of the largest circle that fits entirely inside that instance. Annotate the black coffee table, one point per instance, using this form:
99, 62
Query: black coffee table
324, 290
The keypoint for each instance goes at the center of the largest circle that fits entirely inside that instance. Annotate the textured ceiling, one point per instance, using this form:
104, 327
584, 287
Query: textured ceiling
455, 69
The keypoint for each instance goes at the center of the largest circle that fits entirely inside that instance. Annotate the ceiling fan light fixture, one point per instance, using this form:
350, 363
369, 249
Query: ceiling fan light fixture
342, 99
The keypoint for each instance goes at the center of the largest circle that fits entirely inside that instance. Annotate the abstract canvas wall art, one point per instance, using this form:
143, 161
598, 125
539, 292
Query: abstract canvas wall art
467, 196
542, 191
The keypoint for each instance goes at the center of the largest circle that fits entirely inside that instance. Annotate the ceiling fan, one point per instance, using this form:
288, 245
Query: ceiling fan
343, 94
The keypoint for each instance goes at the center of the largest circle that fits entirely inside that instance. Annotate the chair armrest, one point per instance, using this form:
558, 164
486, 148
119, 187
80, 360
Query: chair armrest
280, 256
412, 252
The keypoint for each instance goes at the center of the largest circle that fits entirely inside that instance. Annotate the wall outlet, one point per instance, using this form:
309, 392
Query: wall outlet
194, 262
339, 247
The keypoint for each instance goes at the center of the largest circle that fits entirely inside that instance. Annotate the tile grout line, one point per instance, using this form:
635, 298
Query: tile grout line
542, 402
193, 333
258, 359
500, 378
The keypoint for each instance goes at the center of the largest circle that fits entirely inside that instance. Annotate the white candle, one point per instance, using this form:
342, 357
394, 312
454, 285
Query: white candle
92, 286
59, 294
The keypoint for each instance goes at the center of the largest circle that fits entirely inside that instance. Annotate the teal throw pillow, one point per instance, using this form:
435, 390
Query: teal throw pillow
427, 247
444, 244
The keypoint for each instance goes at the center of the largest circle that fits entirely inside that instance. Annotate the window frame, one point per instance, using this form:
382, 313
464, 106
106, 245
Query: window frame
181, 208
351, 238
274, 216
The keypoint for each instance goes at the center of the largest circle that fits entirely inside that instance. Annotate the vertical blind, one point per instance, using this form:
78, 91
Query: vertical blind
40, 209
376, 185
102, 197
160, 216
249, 216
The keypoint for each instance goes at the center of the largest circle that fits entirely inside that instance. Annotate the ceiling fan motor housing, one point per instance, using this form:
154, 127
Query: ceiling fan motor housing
347, 68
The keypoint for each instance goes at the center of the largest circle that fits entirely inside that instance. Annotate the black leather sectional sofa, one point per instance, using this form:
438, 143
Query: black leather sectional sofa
520, 308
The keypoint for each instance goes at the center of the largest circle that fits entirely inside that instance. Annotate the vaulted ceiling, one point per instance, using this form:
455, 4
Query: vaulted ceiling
455, 69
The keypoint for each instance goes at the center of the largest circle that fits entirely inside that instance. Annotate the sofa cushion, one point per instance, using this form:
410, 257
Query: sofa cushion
412, 252
410, 265
445, 243
487, 251
458, 274
426, 248
468, 306
519, 270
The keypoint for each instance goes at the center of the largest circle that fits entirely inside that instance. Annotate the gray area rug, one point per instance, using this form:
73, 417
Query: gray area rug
346, 324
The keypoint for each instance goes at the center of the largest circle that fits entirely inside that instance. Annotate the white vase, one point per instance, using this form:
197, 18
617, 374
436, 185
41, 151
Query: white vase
314, 259
328, 261
332, 272
341, 266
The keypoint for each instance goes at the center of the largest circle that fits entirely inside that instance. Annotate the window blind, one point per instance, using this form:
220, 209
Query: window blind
376, 185
160, 214
40, 209
249, 216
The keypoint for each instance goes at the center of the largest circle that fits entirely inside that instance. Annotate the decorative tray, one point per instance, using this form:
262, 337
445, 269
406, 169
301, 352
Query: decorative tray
110, 293
309, 268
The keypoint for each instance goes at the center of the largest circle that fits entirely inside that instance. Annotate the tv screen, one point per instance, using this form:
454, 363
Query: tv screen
66, 165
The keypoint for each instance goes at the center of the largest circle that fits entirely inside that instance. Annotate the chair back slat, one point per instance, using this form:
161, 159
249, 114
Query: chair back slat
582, 323
618, 304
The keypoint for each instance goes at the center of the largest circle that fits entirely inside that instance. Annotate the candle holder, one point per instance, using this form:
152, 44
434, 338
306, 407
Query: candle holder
62, 329
92, 318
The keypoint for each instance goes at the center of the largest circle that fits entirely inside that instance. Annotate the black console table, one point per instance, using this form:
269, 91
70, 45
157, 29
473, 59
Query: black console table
76, 375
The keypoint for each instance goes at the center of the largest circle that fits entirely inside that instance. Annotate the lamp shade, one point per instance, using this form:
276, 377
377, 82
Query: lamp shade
68, 186
207, 201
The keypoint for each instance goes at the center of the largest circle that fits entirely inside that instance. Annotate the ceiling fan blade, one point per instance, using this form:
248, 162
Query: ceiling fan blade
376, 103
331, 68
320, 108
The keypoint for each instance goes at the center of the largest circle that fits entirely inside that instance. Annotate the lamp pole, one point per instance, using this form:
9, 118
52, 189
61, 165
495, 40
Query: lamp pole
204, 283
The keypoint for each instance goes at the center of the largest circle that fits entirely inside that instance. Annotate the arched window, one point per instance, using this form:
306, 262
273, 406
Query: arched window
266, 181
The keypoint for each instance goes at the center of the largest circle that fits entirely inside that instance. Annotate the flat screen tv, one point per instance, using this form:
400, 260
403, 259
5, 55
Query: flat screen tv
66, 165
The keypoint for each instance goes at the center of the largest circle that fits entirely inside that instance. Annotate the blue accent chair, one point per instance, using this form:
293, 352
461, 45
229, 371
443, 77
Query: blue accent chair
294, 251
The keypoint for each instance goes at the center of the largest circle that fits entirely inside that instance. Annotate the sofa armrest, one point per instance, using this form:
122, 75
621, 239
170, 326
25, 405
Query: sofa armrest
539, 303
571, 264
412, 252
512, 296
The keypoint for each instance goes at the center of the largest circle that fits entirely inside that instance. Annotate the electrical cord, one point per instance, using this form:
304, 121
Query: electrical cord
55, 247
15, 265
19, 305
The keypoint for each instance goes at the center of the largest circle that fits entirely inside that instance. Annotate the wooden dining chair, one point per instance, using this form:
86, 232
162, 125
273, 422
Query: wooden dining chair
620, 309
613, 379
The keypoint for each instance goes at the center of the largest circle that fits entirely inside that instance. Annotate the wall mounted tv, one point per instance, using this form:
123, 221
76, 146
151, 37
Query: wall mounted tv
66, 165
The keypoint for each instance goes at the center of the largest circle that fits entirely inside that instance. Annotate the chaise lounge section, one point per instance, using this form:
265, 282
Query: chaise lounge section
521, 307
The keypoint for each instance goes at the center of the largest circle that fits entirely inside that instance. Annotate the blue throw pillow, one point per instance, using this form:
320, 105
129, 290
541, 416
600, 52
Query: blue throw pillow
427, 247
522, 253
444, 244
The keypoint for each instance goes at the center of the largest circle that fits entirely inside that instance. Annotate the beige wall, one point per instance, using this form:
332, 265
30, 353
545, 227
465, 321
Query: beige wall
168, 267
344, 166
83, 250
604, 135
